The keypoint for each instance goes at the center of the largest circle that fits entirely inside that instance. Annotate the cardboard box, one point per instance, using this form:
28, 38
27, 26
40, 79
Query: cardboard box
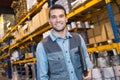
102, 36
109, 31
28, 55
90, 33
35, 22
26, 29
92, 40
44, 14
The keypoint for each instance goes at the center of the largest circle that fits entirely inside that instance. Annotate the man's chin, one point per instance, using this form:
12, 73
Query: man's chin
59, 30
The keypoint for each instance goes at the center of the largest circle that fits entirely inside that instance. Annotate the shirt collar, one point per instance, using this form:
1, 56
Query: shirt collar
55, 37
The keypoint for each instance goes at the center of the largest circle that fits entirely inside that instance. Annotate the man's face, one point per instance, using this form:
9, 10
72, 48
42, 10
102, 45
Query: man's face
58, 19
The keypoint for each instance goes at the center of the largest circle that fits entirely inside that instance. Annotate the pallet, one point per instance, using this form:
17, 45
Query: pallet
100, 43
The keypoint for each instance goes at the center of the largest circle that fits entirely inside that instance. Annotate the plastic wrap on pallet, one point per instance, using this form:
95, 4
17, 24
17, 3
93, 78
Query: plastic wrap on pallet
117, 70
102, 62
15, 76
115, 60
15, 56
30, 71
65, 4
30, 4
96, 74
76, 3
108, 73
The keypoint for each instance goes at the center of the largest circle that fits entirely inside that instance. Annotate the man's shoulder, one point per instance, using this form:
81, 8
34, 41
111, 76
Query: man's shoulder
74, 34
46, 39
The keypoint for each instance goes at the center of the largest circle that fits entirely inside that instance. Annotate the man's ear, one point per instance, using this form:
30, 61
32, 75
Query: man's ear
49, 21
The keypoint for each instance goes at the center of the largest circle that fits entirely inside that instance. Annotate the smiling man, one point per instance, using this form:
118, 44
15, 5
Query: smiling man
58, 55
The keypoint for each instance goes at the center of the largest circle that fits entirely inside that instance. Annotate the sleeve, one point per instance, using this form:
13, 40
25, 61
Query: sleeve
42, 63
87, 58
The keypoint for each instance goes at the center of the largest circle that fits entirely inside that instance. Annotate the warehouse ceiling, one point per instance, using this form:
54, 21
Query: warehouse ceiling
5, 6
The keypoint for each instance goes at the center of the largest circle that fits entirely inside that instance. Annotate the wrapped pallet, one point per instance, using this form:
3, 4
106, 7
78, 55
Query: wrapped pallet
96, 74
108, 73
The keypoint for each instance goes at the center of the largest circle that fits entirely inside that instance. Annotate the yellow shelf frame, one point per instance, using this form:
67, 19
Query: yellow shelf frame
3, 66
4, 48
83, 7
31, 36
107, 1
105, 47
25, 61
4, 56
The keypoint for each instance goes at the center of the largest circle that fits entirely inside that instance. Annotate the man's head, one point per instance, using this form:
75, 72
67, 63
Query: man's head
57, 6
57, 18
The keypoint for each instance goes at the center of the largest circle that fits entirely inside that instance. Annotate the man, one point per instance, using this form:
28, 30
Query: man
57, 55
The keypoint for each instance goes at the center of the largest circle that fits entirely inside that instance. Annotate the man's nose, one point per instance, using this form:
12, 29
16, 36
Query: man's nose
57, 19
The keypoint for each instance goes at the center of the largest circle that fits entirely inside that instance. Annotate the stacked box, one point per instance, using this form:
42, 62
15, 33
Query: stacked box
100, 34
20, 9
109, 31
28, 55
91, 36
44, 14
39, 19
35, 22
25, 30
103, 27
19, 33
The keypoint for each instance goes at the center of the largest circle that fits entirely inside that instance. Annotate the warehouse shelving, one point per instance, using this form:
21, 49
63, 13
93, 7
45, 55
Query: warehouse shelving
43, 29
46, 27
84, 7
4, 56
105, 47
4, 48
33, 60
37, 6
4, 65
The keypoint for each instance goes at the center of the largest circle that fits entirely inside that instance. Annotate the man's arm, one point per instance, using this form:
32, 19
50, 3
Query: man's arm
86, 55
42, 63
87, 59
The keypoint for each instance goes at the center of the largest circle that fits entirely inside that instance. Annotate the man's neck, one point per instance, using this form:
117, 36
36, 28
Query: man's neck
61, 34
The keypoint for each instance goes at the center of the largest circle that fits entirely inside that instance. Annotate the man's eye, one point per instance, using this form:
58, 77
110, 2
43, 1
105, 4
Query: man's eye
53, 17
61, 16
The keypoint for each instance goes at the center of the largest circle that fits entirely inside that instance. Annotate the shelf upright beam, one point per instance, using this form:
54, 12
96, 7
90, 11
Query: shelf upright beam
112, 20
9, 67
19, 53
51, 3
33, 51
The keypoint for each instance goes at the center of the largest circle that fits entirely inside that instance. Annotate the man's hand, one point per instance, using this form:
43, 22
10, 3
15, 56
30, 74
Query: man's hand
89, 76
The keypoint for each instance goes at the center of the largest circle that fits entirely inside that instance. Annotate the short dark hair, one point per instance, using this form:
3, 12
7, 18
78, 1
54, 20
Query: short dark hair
57, 6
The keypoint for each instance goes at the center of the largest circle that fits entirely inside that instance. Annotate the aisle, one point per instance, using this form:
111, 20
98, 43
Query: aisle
3, 78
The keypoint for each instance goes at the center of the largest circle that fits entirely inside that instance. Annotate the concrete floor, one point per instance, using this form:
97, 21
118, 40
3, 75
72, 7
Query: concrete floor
3, 78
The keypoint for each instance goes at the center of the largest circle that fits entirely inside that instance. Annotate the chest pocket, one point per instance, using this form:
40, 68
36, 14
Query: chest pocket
56, 62
74, 53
